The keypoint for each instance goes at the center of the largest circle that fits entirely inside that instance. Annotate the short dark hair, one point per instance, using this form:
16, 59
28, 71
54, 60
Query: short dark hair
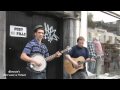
38, 27
80, 38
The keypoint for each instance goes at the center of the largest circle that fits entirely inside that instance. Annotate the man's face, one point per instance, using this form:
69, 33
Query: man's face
80, 43
39, 34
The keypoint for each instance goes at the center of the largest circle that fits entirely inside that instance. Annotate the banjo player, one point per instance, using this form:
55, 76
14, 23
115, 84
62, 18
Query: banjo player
36, 46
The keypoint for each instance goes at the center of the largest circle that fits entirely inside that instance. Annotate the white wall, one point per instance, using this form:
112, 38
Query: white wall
2, 43
83, 31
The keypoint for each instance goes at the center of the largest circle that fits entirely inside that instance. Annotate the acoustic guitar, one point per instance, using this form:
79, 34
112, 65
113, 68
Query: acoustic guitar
70, 69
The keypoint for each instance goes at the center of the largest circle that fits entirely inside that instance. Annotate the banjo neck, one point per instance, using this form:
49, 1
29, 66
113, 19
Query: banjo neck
54, 55
50, 57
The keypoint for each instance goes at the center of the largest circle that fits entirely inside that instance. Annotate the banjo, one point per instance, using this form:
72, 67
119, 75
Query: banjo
39, 68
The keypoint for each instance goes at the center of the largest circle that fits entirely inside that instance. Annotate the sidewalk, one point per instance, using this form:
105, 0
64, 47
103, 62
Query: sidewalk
111, 75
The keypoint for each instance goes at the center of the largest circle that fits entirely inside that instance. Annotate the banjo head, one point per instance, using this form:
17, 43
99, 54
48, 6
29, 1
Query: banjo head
42, 61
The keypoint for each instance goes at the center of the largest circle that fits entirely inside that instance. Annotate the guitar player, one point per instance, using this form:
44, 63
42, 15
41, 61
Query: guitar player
36, 46
77, 51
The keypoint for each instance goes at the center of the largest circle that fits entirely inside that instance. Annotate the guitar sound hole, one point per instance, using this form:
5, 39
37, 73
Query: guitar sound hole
72, 65
79, 62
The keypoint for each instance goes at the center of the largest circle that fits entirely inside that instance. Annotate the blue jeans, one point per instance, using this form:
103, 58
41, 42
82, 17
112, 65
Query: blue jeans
38, 75
99, 63
66, 75
91, 66
34, 75
80, 75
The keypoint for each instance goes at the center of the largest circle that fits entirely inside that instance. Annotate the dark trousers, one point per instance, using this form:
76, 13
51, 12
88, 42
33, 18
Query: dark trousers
107, 66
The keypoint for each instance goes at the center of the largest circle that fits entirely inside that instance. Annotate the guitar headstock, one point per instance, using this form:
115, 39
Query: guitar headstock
66, 49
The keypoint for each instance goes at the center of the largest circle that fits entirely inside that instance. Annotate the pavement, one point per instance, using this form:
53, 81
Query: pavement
112, 75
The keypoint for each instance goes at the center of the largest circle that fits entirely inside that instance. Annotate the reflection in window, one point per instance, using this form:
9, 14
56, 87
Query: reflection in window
106, 29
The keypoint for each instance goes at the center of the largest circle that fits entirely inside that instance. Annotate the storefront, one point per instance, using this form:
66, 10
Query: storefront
105, 26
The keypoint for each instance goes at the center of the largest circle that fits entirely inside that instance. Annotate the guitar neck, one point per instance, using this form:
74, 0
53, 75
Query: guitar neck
63, 51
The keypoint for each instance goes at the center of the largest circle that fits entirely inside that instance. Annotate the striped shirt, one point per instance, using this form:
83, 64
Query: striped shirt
34, 47
91, 49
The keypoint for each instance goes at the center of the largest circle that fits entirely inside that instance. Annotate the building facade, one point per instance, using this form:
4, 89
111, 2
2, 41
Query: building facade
16, 29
